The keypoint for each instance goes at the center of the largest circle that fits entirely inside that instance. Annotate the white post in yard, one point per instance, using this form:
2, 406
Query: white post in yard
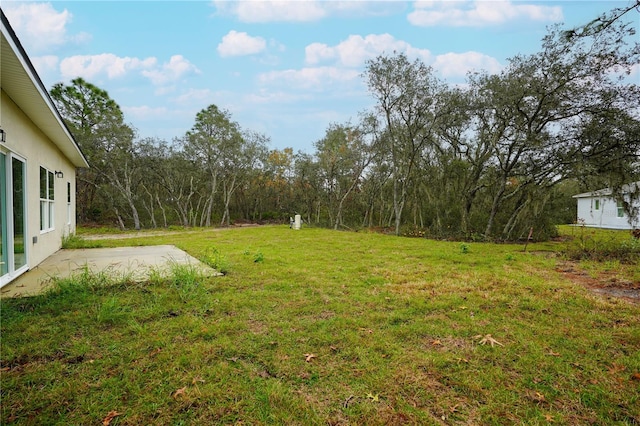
297, 223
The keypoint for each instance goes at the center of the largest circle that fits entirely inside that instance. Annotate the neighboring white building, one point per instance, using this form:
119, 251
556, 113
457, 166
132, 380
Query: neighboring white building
38, 161
599, 209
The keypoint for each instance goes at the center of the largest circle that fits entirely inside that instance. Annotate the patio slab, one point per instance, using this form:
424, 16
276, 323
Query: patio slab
135, 263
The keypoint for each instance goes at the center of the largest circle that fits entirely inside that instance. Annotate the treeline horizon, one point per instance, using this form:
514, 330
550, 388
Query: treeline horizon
488, 160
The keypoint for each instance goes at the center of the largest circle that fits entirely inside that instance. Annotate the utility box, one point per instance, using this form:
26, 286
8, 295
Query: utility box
297, 222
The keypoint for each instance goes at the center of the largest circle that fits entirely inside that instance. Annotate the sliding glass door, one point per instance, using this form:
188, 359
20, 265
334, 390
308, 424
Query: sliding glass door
13, 235
4, 256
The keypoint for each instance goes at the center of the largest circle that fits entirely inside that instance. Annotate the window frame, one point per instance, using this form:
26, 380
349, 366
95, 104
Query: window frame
47, 200
68, 203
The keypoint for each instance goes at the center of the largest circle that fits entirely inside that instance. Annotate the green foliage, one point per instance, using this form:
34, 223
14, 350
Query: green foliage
258, 256
74, 241
484, 161
186, 280
83, 280
603, 245
111, 312
214, 258
464, 248
414, 232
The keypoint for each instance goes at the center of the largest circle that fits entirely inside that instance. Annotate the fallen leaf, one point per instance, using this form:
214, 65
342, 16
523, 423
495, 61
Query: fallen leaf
197, 379
179, 392
233, 359
548, 417
635, 376
436, 343
110, 416
616, 368
3, 369
487, 338
372, 397
552, 353
309, 357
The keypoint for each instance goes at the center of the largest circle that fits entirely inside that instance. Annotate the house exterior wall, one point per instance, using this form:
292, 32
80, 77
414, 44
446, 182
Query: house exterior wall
602, 212
25, 140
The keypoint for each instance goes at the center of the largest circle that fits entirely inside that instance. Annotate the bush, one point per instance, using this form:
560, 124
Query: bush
602, 245
216, 260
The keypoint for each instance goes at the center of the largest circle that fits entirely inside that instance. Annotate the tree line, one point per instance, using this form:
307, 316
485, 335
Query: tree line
489, 159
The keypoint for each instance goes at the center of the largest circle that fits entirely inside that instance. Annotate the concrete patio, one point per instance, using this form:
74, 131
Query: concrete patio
136, 263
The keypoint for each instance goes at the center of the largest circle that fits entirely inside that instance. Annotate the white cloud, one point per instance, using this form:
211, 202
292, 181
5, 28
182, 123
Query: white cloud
304, 10
171, 71
240, 44
459, 64
355, 50
112, 66
309, 78
194, 96
92, 66
274, 10
145, 112
44, 64
479, 13
266, 97
39, 26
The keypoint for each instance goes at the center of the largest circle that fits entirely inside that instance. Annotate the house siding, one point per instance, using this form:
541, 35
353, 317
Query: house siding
604, 215
26, 140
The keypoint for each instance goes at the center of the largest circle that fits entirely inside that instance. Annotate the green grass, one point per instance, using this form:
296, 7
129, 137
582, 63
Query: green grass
316, 327
74, 241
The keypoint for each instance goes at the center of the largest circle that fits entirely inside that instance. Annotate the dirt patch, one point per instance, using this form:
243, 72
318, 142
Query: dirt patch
605, 284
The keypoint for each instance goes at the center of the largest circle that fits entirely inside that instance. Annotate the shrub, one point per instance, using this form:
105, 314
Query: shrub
216, 260
601, 245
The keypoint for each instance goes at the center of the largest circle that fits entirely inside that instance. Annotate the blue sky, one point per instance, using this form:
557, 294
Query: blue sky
287, 69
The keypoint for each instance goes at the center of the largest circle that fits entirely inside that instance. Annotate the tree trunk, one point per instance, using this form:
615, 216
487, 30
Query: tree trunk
120, 221
494, 210
164, 213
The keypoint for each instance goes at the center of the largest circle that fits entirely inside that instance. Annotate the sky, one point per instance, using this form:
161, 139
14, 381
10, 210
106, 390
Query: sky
286, 69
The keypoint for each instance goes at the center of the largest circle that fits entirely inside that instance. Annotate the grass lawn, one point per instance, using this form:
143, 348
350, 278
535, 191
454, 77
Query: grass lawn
316, 327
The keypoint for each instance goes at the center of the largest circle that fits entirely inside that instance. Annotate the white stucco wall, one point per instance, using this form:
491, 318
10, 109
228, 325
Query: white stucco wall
24, 139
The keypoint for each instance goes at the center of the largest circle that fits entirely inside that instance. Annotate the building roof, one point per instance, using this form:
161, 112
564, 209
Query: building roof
20, 81
607, 192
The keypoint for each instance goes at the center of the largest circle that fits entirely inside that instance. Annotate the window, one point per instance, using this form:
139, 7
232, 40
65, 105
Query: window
68, 203
597, 206
620, 209
46, 199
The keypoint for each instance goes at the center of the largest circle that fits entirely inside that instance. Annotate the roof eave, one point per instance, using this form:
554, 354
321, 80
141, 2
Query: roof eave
40, 109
